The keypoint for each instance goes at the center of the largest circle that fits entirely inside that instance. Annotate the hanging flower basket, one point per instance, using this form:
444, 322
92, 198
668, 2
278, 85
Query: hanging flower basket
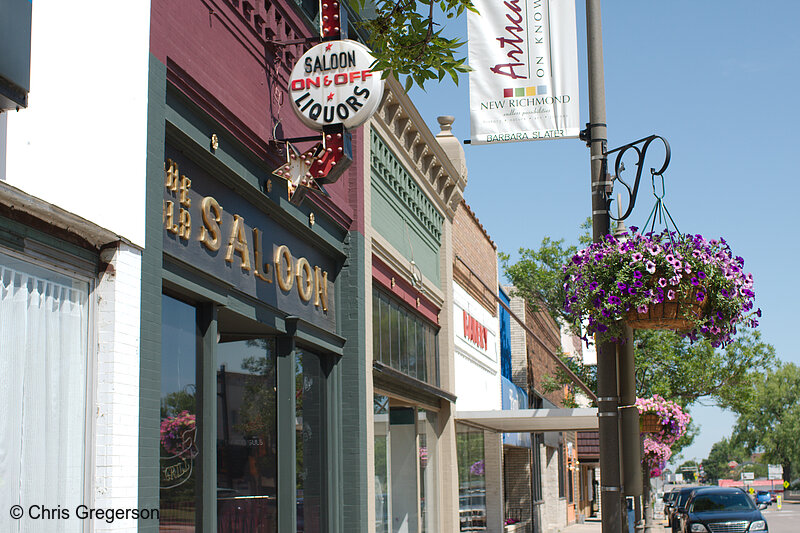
661, 419
673, 315
660, 281
656, 455
649, 423
178, 434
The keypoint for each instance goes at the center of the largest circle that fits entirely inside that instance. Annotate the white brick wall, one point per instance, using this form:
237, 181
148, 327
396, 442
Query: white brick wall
117, 404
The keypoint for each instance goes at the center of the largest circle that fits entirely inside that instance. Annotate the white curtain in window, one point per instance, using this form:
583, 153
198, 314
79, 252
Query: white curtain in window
43, 354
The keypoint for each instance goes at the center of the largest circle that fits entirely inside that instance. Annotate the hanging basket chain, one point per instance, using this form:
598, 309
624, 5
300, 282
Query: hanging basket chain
660, 210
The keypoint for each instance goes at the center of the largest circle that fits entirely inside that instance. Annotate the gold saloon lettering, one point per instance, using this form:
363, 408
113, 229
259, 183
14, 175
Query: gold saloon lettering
312, 281
283, 268
321, 288
212, 216
260, 269
237, 243
305, 279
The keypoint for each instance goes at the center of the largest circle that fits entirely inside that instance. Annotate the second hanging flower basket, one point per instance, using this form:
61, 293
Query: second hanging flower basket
683, 283
649, 423
661, 419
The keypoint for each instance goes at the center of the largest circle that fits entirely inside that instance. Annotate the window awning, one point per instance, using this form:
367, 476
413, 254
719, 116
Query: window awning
531, 420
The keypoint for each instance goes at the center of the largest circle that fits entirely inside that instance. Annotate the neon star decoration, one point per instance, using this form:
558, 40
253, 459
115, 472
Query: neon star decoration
297, 172
324, 163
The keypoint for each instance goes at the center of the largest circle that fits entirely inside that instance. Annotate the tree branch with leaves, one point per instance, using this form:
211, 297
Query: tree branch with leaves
407, 41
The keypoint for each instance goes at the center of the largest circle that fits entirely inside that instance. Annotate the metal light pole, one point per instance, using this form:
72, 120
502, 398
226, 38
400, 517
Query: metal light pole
607, 389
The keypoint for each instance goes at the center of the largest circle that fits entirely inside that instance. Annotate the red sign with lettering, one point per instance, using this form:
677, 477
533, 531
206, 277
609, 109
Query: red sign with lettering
475, 332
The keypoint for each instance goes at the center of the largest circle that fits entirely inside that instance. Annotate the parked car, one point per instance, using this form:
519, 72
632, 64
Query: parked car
721, 509
669, 503
763, 498
680, 508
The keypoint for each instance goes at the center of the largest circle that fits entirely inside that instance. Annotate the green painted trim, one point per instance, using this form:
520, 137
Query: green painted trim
401, 416
392, 221
287, 467
333, 446
351, 381
14, 233
386, 166
150, 343
207, 407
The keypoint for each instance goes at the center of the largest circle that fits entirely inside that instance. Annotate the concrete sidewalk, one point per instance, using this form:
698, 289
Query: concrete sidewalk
593, 525
590, 525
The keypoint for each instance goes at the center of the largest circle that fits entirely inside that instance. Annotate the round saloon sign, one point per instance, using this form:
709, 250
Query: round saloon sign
333, 84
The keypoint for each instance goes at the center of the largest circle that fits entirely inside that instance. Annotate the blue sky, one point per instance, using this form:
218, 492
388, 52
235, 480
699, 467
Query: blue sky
718, 81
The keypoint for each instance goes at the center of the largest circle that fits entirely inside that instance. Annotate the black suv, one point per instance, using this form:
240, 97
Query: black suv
679, 507
721, 510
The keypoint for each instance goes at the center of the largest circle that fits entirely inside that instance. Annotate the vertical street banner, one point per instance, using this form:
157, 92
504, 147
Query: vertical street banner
524, 82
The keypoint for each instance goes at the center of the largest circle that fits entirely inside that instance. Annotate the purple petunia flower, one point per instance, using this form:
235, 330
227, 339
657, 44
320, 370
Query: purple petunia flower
694, 281
621, 286
701, 296
637, 274
701, 275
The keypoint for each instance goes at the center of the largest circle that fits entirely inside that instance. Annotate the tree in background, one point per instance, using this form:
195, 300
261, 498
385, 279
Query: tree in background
723, 460
770, 420
684, 372
406, 39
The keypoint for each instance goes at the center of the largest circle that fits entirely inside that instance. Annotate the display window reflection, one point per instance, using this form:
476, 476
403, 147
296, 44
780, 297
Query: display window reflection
178, 429
310, 405
382, 481
247, 447
404, 340
471, 479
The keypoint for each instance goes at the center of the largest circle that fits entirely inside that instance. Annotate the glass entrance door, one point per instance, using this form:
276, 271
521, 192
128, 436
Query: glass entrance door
247, 436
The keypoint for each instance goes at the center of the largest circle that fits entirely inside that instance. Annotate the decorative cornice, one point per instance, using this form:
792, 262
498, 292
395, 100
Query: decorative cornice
416, 146
388, 168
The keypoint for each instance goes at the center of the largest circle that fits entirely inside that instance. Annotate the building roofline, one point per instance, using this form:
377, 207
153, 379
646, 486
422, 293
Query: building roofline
18, 200
478, 222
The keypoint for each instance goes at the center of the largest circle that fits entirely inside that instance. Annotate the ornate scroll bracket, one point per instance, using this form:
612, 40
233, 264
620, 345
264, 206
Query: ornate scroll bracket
640, 147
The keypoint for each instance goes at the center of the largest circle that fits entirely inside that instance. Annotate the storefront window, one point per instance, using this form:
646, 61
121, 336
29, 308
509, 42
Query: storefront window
309, 424
403, 340
382, 481
536, 470
247, 460
43, 364
178, 432
471, 479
